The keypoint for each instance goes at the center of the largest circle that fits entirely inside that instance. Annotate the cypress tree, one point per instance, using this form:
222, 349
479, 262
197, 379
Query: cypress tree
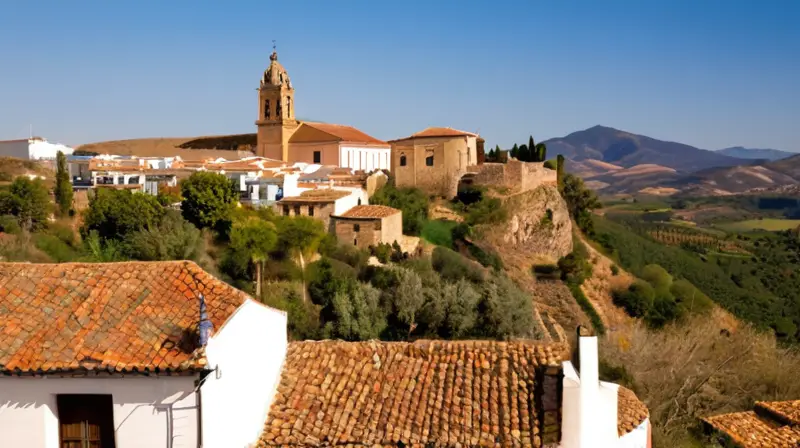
541, 151
524, 153
515, 151
63, 189
532, 152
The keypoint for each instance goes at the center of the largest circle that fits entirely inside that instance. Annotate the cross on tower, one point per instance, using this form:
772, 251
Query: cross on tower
273, 44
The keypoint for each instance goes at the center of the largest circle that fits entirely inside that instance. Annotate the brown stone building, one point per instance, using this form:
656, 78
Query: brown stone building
369, 225
318, 204
282, 137
434, 159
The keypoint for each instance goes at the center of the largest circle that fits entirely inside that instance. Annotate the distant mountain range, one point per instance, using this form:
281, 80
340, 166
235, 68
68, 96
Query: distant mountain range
754, 153
615, 161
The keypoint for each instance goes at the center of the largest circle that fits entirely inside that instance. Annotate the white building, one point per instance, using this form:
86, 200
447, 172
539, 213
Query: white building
34, 148
118, 355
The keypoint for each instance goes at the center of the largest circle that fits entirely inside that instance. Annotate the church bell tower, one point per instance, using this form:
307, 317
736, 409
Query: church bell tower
276, 122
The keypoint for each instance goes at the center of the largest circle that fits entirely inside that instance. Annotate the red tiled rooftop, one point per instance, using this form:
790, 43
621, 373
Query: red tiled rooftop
370, 211
345, 133
751, 430
107, 316
439, 132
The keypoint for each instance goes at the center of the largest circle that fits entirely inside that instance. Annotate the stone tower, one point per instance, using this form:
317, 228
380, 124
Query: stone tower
276, 122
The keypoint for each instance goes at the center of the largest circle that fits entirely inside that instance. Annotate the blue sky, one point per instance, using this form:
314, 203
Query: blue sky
711, 73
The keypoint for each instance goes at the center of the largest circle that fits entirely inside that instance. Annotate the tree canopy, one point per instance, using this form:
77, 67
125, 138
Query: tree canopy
116, 213
27, 200
208, 198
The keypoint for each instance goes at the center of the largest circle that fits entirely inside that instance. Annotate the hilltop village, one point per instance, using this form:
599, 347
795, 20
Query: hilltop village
314, 286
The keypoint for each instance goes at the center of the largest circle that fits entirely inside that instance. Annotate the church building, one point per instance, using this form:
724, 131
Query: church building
282, 137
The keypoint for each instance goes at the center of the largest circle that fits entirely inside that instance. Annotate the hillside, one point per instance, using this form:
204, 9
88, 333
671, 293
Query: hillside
627, 150
164, 147
755, 153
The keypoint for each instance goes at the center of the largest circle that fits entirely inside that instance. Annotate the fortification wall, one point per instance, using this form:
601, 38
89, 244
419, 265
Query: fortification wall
514, 175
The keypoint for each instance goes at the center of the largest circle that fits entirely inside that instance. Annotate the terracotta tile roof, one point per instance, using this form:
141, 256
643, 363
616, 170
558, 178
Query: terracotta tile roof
347, 134
370, 211
445, 393
751, 430
319, 195
783, 411
438, 132
630, 411
118, 317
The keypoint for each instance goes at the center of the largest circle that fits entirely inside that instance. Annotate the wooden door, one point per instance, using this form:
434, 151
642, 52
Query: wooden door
86, 421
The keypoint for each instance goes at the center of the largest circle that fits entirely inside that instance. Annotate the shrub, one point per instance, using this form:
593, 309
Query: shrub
469, 195
64, 233
382, 252
27, 200
55, 248
303, 317
588, 308
453, 266
691, 299
9, 224
637, 299
657, 276
551, 164
614, 270
173, 238
346, 253
505, 311
439, 232
546, 271
487, 258
486, 211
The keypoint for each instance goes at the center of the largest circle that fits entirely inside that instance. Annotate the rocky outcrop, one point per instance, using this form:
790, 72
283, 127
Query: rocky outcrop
538, 225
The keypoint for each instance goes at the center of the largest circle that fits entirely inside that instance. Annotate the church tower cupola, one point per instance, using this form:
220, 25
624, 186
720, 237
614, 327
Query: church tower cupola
276, 122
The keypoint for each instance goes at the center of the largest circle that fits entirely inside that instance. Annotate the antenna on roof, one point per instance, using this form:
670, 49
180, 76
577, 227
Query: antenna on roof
205, 325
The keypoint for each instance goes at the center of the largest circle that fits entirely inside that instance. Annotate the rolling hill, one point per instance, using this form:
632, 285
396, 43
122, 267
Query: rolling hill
756, 153
188, 148
627, 150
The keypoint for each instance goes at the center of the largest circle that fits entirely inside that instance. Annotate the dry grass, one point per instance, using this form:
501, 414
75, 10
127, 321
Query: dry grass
646, 168
159, 147
701, 367
600, 284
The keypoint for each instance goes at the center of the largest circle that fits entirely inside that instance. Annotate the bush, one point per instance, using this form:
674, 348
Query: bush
663, 311
588, 308
486, 211
173, 238
9, 224
453, 266
55, 248
383, 252
346, 253
637, 299
303, 317
487, 258
614, 270
691, 299
64, 233
469, 195
551, 164
505, 311
27, 200
546, 271
439, 232
657, 276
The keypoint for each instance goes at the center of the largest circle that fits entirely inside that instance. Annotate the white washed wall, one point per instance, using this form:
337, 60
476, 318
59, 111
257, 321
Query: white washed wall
248, 353
46, 150
16, 148
638, 438
346, 203
149, 412
364, 158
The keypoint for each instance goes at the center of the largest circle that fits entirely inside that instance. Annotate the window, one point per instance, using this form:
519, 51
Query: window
355, 241
85, 421
296, 210
356, 227
402, 160
317, 156
266, 109
429, 159
285, 210
310, 210
359, 201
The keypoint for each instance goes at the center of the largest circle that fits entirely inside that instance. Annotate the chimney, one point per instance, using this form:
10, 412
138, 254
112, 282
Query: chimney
589, 406
205, 327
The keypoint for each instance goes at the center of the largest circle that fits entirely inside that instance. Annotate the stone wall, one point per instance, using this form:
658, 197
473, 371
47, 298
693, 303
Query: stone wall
371, 232
322, 210
514, 175
392, 229
450, 162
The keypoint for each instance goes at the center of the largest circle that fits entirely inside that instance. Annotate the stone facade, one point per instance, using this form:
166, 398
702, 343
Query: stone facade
434, 160
276, 122
369, 225
321, 210
514, 175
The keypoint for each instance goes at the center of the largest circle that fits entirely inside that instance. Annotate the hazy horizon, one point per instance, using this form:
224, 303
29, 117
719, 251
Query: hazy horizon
710, 74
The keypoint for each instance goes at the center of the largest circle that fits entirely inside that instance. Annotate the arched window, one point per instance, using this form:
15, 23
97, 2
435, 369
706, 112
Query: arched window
267, 110
402, 160
289, 106
278, 109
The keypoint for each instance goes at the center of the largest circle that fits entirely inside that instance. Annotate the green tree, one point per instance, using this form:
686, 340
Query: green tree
515, 151
408, 298
524, 153
580, 202
300, 236
256, 238
560, 171
208, 199
541, 152
532, 154
461, 304
637, 299
116, 213
411, 201
28, 201
354, 313
506, 311
63, 189
691, 299
173, 238
657, 276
